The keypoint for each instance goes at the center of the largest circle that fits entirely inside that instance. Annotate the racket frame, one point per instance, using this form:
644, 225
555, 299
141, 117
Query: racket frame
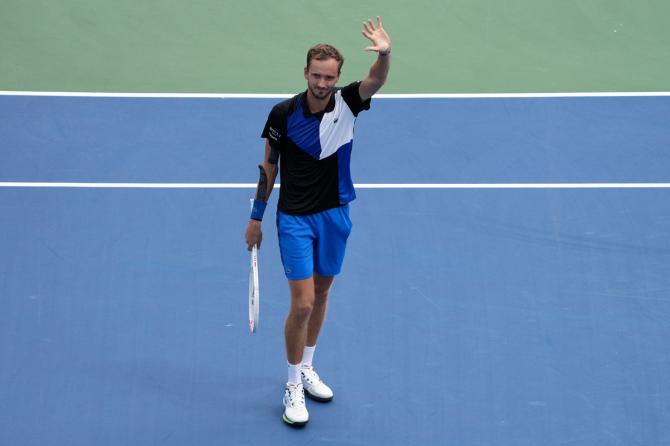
254, 288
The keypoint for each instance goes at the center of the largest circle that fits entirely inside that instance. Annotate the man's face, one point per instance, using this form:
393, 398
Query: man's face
322, 76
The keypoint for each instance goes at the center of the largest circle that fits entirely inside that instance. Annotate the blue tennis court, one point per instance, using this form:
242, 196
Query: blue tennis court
465, 316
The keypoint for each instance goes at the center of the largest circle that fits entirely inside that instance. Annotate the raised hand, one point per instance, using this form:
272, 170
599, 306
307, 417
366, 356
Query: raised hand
376, 34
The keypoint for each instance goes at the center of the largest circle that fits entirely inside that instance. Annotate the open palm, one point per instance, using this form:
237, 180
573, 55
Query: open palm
376, 34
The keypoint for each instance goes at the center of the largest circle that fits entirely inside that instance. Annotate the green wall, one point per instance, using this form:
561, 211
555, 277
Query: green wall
259, 46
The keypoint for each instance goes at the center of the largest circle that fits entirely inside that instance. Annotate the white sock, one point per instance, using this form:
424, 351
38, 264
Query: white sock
308, 355
294, 373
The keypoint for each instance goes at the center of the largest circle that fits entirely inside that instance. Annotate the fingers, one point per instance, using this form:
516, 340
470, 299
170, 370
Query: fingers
376, 34
367, 31
253, 236
370, 30
369, 25
252, 244
254, 240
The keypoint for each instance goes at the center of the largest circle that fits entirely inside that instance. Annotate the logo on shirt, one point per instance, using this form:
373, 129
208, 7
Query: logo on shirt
272, 133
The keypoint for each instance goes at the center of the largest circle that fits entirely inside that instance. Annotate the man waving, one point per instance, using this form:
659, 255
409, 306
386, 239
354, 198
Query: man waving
310, 137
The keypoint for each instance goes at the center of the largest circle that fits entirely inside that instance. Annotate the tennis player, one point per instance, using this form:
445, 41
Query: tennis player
310, 136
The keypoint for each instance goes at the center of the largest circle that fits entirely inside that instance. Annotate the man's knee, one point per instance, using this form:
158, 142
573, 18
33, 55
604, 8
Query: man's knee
302, 299
302, 310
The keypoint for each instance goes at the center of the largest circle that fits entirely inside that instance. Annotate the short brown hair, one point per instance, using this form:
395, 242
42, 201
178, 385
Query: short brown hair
323, 51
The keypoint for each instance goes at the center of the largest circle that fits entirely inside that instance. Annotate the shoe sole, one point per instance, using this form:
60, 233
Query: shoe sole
317, 398
291, 423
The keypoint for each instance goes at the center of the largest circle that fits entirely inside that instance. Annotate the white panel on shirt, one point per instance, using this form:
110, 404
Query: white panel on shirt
337, 127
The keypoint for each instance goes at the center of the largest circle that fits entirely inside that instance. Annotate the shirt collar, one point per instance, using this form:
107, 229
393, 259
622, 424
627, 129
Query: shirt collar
329, 108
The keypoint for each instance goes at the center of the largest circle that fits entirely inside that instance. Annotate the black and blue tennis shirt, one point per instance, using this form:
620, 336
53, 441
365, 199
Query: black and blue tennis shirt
315, 150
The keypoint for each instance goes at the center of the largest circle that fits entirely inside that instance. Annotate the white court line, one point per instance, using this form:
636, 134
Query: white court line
516, 186
359, 185
377, 96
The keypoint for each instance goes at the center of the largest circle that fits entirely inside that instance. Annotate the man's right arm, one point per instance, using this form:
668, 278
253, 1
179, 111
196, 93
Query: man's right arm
254, 234
270, 167
381, 43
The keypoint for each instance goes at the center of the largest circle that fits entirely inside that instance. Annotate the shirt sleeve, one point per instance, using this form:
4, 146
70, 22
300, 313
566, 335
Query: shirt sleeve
352, 97
275, 127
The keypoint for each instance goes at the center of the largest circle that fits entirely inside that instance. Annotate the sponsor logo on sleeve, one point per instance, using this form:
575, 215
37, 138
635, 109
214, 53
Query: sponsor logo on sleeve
275, 135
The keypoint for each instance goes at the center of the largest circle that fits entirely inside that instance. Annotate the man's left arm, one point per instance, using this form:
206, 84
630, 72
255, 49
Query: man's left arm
381, 43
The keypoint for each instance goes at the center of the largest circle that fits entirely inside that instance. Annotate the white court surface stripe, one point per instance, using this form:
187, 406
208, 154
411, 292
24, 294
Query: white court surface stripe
377, 96
359, 185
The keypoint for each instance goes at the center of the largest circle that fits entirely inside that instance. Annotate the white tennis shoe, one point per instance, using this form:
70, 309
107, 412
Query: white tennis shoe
314, 387
295, 412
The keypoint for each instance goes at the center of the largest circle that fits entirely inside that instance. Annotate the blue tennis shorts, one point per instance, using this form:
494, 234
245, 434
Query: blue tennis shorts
313, 243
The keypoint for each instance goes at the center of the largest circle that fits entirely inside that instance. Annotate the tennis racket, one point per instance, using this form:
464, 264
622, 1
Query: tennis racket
254, 295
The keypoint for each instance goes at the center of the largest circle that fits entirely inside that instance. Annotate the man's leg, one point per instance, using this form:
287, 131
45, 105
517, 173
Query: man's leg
314, 387
295, 328
309, 303
322, 286
295, 333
